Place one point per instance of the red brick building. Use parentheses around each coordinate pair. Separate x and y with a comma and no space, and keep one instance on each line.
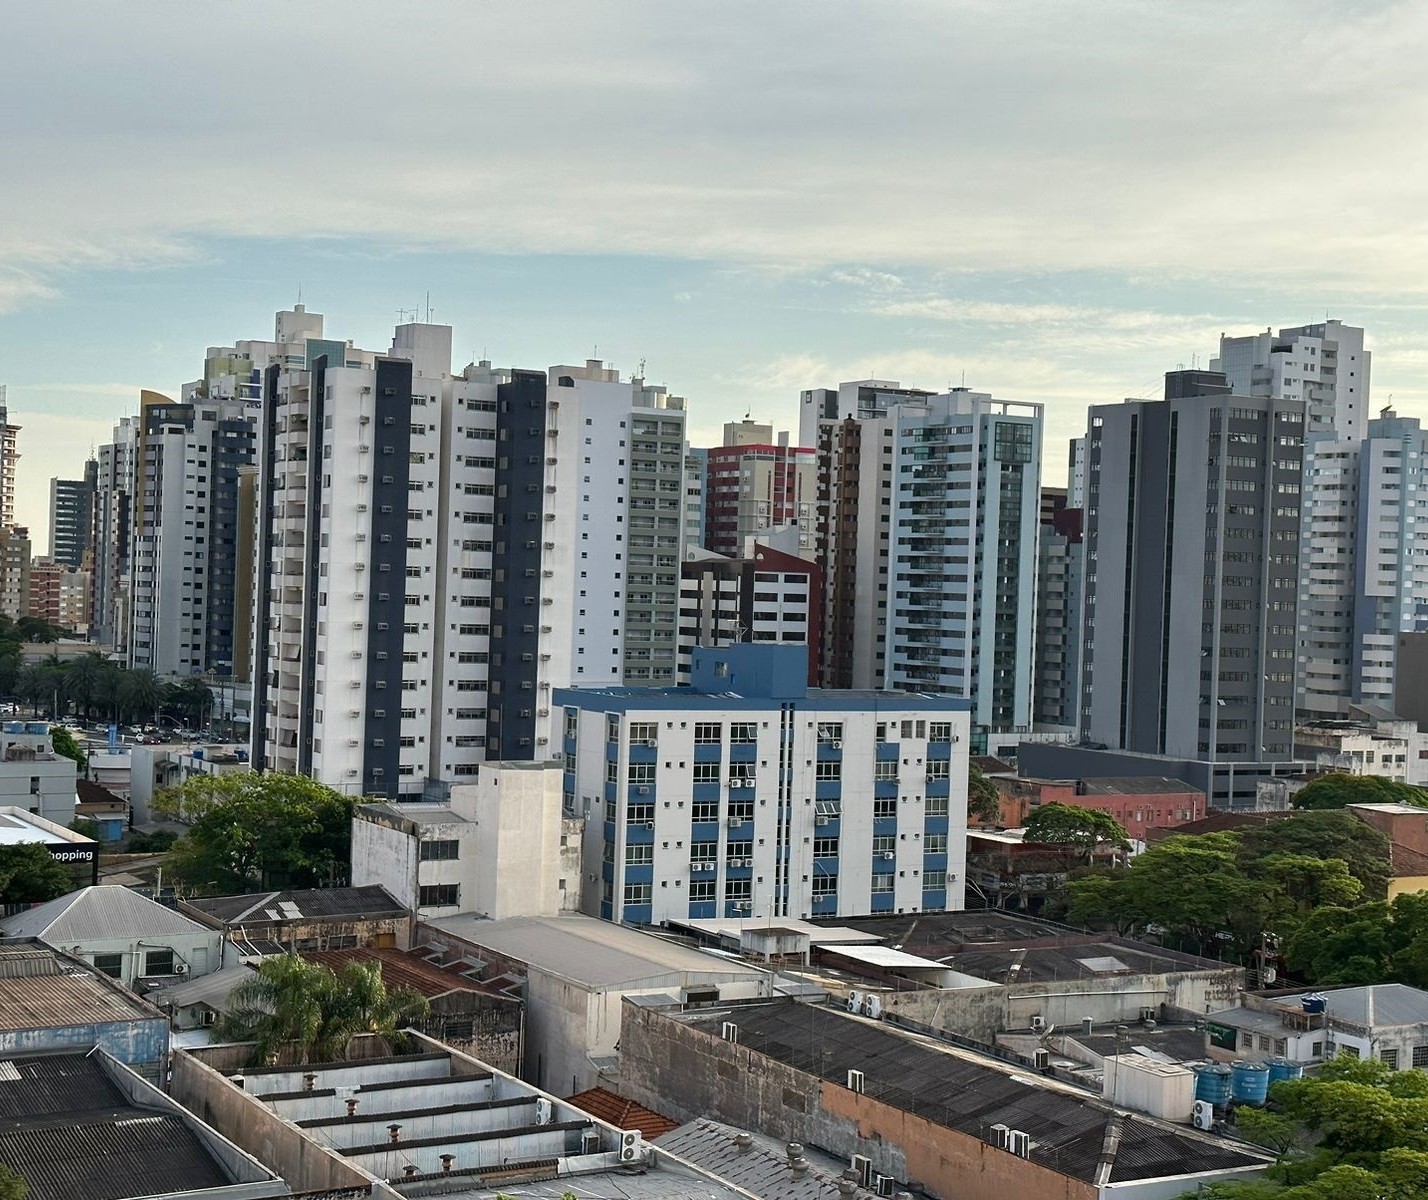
(1140,803)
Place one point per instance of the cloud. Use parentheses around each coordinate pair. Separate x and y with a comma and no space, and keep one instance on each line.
(1037,136)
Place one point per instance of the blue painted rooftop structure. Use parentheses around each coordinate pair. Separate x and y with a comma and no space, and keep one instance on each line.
(752,675)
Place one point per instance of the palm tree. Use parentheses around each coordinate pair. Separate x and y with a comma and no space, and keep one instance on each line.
(32,685)
(143,693)
(109,689)
(292,1002)
(81,678)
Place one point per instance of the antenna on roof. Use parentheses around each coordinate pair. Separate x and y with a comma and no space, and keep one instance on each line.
(428,306)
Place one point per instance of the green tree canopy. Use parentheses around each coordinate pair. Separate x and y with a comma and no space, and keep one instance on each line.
(253,831)
(1353,1130)
(294,1002)
(1336,791)
(12,1187)
(1323,834)
(984,802)
(1372,943)
(64,743)
(1068,825)
(28,875)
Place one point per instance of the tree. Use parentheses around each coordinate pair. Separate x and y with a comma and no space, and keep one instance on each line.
(81,676)
(32,685)
(257,831)
(1068,825)
(1354,1130)
(319,1011)
(1372,943)
(12,1187)
(143,693)
(1336,791)
(28,875)
(1322,834)
(64,744)
(984,802)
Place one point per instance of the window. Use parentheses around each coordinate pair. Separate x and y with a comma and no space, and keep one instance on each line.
(701,891)
(639,855)
(643,733)
(830,732)
(939,731)
(885,770)
(1420,1053)
(936,806)
(1389,1058)
(708,733)
(885,844)
(440,895)
(637,893)
(643,773)
(1348,1052)
(705,810)
(939,768)
(884,807)
(824,885)
(882,883)
(159,962)
(828,769)
(935,843)
(934,881)
(640,814)
(738,889)
(110,964)
(703,851)
(440,849)
(706,772)
(825,847)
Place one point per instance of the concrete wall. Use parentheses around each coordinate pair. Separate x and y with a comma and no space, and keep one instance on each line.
(689,1073)
(981,1013)
(142,1044)
(238,1116)
(201,951)
(518,809)
(384,854)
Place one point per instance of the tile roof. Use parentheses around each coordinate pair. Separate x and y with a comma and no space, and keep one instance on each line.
(623,1114)
(68,1132)
(101,913)
(962,1091)
(268,908)
(409,968)
(760,1166)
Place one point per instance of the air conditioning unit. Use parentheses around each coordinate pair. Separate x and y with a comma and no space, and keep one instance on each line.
(836,745)
(542,1111)
(855,1081)
(1038,1024)
(999,1135)
(873,1006)
(1202,1114)
(1019,1143)
(642,790)
(822,820)
(630,1146)
(181,968)
(1041,1059)
(862,1167)
(855,1001)
(743,906)
(888,856)
(884,1185)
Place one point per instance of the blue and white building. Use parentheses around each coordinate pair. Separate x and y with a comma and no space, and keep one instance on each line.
(748,793)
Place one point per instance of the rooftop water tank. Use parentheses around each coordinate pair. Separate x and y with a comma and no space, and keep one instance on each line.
(1249,1082)
(1212,1083)
(1282,1068)
(1313,1004)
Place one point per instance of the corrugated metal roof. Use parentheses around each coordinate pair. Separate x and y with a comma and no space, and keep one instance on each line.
(95,914)
(408,968)
(589,951)
(54,1001)
(954,1088)
(761,1167)
(211,989)
(269,908)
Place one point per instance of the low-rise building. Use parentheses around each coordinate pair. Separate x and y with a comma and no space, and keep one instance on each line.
(455,857)
(19,827)
(481,1017)
(110,813)
(85,1125)
(199,1003)
(51,1002)
(1352,747)
(308,919)
(576,972)
(1386,1021)
(1139,802)
(898,1107)
(430,1122)
(32,776)
(123,935)
(750,793)
(153,769)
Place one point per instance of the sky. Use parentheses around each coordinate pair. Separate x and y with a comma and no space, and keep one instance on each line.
(1054,202)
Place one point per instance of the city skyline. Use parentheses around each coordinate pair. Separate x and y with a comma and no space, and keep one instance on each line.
(738,207)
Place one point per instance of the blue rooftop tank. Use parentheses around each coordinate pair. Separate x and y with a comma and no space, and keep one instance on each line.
(1249,1082)
(1212,1083)
(1313,1004)
(1282,1068)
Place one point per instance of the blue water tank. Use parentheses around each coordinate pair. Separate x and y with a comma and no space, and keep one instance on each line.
(1212,1083)
(241,755)
(1313,1004)
(198,752)
(1249,1082)
(1282,1068)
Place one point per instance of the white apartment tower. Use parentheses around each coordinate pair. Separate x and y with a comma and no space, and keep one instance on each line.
(112,535)
(928,517)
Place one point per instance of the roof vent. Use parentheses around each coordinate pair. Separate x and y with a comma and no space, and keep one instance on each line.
(394,1133)
(744,1140)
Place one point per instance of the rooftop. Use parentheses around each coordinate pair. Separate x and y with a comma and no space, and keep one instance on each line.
(68,1130)
(409,968)
(1070,1131)
(267,908)
(41,989)
(754,1162)
(18,827)
(418,814)
(211,990)
(96,914)
(1379,1006)
(623,1114)
(589,951)
(1139,785)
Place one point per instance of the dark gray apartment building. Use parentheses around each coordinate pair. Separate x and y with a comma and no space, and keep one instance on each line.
(1192,552)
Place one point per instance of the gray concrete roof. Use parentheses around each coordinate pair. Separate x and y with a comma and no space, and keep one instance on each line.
(762,1167)
(589,951)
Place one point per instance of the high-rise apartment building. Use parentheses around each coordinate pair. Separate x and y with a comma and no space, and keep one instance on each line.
(1192,561)
(112,540)
(9,459)
(72,516)
(14,571)
(755,482)
(927,525)
(60,594)
(748,794)
(1056,679)
(184,564)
